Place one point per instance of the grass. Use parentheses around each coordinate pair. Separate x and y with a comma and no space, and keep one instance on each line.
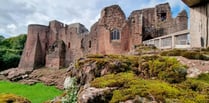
(37,93)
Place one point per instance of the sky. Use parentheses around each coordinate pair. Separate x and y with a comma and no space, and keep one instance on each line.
(16,15)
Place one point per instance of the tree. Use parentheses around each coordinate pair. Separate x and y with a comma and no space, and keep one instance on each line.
(11,51)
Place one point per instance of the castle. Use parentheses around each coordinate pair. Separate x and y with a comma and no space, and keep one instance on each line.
(58,45)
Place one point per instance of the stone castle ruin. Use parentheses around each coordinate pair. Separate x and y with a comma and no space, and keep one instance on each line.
(58,45)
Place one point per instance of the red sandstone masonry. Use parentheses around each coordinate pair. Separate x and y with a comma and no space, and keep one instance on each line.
(58,45)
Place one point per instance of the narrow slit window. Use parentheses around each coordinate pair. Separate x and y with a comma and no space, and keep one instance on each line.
(69,45)
(89,44)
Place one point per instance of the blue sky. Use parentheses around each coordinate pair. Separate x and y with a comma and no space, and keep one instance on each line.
(16,15)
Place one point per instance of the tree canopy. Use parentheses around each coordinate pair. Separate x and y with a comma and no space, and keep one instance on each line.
(11,50)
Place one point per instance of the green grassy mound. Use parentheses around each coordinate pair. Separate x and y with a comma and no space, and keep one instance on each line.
(37,93)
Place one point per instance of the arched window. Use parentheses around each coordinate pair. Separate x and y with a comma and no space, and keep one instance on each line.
(115,34)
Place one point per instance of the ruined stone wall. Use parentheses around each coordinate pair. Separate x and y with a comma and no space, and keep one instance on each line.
(54,27)
(55,57)
(75,33)
(89,42)
(180,22)
(135,23)
(112,18)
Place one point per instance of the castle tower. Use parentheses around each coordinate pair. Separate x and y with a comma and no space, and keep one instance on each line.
(35,48)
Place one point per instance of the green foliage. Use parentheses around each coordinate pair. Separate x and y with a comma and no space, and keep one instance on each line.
(14,42)
(72,92)
(1,38)
(10,51)
(37,93)
(164,68)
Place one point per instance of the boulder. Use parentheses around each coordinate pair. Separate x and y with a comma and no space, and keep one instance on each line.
(193,72)
(15,74)
(95,95)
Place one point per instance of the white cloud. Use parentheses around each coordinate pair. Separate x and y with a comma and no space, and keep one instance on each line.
(11,26)
(17,14)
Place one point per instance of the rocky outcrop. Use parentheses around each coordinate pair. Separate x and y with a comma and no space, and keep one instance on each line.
(87,69)
(15,74)
(50,77)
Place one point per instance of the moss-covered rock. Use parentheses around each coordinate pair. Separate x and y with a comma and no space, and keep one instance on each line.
(129,86)
(164,68)
(11,98)
(189,54)
(98,65)
(145,49)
